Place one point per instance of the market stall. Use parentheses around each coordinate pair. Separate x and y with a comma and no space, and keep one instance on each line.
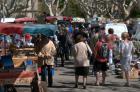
(17,71)
(22,65)
(46,29)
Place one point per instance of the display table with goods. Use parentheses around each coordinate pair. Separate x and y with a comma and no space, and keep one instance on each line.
(134,73)
(20,72)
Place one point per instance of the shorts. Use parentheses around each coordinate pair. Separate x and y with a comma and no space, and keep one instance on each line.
(100,66)
(83,71)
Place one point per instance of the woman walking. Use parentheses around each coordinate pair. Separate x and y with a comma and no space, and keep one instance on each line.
(81,50)
(47,53)
(126,49)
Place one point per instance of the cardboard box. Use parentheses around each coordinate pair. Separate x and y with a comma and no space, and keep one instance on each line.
(134,74)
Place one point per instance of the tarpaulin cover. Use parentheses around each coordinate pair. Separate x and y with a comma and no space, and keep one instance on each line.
(11,28)
(33,29)
(50,18)
(53,18)
(46,29)
(25,19)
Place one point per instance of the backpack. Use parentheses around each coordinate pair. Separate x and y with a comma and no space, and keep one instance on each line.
(104,51)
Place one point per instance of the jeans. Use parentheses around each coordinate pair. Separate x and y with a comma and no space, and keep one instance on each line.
(47,70)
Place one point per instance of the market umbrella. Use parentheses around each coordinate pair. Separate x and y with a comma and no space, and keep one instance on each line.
(50,19)
(25,19)
(11,28)
(46,29)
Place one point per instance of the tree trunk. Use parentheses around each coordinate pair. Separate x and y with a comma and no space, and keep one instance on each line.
(50,11)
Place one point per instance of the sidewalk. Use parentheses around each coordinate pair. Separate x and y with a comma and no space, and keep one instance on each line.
(64,82)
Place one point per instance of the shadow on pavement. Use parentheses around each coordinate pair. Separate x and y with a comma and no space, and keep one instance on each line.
(62,86)
(69,83)
(67,74)
(69,63)
(113,84)
(135,86)
(69,67)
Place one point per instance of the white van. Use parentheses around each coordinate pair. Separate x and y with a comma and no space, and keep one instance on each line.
(118,28)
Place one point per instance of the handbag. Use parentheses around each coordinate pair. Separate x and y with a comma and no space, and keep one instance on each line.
(89,53)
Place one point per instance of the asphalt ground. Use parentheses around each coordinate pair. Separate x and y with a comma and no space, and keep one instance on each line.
(64,81)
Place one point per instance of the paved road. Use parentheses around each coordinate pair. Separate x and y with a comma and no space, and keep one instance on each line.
(64,82)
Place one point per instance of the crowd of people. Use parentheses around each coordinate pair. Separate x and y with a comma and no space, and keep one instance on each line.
(103,53)
(87,47)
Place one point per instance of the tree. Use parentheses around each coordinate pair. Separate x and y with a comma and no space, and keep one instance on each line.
(92,7)
(111,8)
(73,9)
(123,7)
(10,7)
(56,7)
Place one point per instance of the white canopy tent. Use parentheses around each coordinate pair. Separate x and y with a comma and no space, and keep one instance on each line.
(77,19)
(7,20)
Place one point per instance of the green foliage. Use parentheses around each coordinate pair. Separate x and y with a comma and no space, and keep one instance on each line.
(20,16)
(61,3)
(73,10)
(135,13)
(128,2)
(42,7)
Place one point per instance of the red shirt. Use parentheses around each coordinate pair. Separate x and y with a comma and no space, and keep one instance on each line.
(97,48)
